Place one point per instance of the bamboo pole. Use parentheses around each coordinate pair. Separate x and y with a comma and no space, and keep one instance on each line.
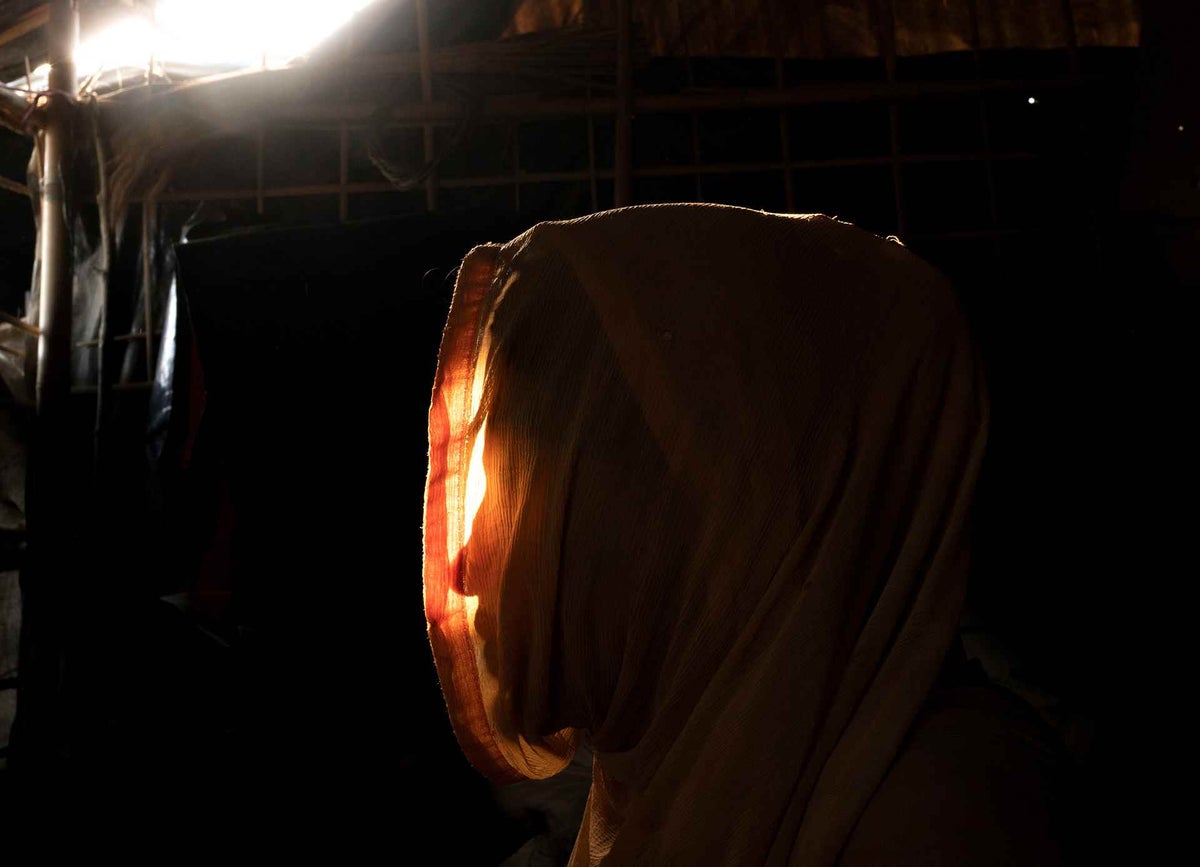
(985,126)
(1071,33)
(524,177)
(623,145)
(693,117)
(34,19)
(785,146)
(785,141)
(532,107)
(593,183)
(431,183)
(887,48)
(19,324)
(14,187)
(15,113)
(120,338)
(39,732)
(54,348)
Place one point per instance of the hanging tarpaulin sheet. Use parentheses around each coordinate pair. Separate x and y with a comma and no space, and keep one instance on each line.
(128,294)
(817,29)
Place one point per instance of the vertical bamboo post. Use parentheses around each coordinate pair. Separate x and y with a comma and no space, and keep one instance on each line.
(426,66)
(54,316)
(693,116)
(887,47)
(985,127)
(694,120)
(623,146)
(593,184)
(785,146)
(39,731)
(785,139)
(1071,33)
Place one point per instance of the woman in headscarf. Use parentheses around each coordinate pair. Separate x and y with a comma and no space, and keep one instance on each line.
(698,489)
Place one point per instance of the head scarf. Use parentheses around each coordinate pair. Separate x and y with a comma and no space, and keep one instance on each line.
(698,486)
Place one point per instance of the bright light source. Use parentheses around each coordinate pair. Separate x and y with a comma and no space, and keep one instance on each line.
(1033,100)
(127,43)
(212,34)
(246,32)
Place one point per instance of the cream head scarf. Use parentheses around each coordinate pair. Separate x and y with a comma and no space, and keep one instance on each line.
(698,487)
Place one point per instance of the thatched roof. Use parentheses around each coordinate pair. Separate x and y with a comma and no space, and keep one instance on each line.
(560,44)
(810,29)
(818,29)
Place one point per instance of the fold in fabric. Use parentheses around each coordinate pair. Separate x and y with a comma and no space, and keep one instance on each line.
(698,487)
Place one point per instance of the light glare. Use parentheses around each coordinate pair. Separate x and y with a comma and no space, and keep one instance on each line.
(127,43)
(213,34)
(246,32)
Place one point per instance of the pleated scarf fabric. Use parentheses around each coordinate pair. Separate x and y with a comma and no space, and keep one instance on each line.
(698,486)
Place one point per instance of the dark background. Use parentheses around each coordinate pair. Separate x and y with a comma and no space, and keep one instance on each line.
(289,686)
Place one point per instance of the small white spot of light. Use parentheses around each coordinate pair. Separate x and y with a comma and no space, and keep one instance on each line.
(1180,127)
(1033,100)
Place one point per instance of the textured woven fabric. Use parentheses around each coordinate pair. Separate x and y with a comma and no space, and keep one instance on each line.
(698,487)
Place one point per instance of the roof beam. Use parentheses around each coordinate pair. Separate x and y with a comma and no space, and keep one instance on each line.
(35,19)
